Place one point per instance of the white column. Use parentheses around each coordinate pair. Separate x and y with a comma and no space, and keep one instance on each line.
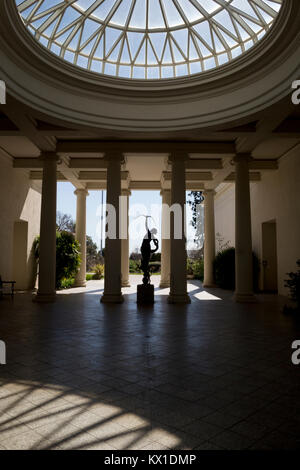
(125,241)
(47,256)
(81,194)
(112,254)
(165,239)
(243,237)
(178,279)
(209,237)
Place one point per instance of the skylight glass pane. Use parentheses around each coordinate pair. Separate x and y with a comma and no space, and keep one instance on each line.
(148,39)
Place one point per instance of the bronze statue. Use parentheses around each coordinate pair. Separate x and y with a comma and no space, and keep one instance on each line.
(147,251)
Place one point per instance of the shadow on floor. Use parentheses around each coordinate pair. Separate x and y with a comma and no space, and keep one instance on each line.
(209,375)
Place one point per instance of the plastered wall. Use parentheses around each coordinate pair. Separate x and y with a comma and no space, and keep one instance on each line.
(20,200)
(275,198)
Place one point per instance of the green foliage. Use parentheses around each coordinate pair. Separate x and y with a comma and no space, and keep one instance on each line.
(67,257)
(199,269)
(195,198)
(135,255)
(156,257)
(224,269)
(98,271)
(89,277)
(67,283)
(189,267)
(195,268)
(155,267)
(293,284)
(93,255)
(134,266)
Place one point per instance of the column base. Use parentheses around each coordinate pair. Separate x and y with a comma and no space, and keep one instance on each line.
(79,284)
(164,284)
(208,284)
(179,299)
(44,298)
(125,284)
(245,298)
(112,299)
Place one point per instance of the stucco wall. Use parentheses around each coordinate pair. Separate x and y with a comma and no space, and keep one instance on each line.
(275,198)
(20,200)
(224,216)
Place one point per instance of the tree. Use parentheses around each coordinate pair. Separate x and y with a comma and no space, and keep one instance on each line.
(67,256)
(64,222)
(195,200)
(93,255)
(135,255)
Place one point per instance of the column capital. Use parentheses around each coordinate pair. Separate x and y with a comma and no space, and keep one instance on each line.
(165,180)
(116,155)
(179,155)
(242,157)
(49,156)
(164,191)
(81,191)
(209,192)
(125,192)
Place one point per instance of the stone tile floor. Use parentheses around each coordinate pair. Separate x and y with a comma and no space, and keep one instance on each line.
(210,375)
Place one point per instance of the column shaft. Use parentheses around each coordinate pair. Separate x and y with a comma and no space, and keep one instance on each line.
(112,254)
(209,238)
(81,194)
(47,250)
(165,239)
(178,279)
(243,237)
(125,241)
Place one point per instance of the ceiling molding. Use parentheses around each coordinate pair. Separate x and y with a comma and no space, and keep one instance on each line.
(234,93)
(142,148)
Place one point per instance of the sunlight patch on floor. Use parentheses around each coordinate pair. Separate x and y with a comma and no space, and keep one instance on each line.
(206,296)
(35,415)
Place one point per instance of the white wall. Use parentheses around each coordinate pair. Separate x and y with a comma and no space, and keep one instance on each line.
(20,199)
(224,215)
(275,198)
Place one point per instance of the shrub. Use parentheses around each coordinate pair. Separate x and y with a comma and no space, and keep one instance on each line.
(224,269)
(134,266)
(98,272)
(195,268)
(198,269)
(154,267)
(293,284)
(156,257)
(189,267)
(89,277)
(67,257)
(67,283)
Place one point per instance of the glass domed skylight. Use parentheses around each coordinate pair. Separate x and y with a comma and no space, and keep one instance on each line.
(148,39)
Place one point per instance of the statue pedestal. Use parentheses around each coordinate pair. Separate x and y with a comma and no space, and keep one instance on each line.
(145,294)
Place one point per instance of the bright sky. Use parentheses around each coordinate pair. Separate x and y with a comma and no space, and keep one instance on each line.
(141,202)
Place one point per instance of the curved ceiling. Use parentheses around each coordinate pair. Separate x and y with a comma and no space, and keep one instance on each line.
(148,39)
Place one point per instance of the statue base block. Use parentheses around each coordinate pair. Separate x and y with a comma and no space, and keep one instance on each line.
(145,294)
